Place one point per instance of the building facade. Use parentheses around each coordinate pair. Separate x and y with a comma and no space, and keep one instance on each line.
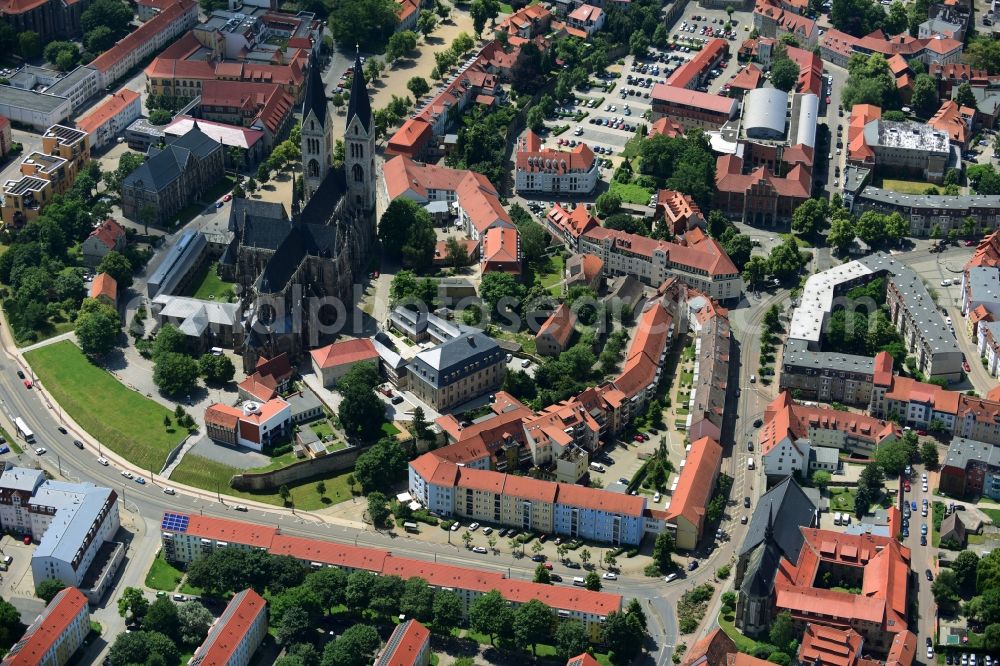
(235,636)
(55,635)
(45,173)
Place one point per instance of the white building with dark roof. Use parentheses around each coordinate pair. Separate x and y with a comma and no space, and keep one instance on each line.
(457,370)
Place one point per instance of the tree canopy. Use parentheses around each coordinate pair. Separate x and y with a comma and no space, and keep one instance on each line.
(361,412)
(368,22)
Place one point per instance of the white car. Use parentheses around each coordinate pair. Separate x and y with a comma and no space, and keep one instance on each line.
(930,653)
(945,283)
(672,577)
(102,461)
(609,576)
(479,549)
(455,526)
(127,474)
(473,527)
(169,491)
(656,497)
(40,450)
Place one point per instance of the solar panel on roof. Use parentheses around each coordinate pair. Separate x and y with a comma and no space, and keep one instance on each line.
(175,522)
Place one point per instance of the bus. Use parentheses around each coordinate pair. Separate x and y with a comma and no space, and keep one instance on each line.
(23,430)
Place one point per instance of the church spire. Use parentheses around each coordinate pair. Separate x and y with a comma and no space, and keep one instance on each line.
(359,104)
(315,97)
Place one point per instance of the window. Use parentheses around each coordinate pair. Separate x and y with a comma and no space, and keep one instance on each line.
(359,174)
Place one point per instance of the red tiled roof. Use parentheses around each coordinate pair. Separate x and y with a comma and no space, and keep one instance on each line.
(882,375)
(575,223)
(43,633)
(903,649)
(223,639)
(561,596)
(104,285)
(345,352)
(559,325)
(712,650)
(109,233)
(693,99)
(279,367)
(527,488)
(144,33)
(955,120)
(435,470)
(327,552)
(261,387)
(829,646)
(748,78)
(404,645)
(697,66)
(694,487)
(223,416)
(532,157)
(666,126)
(582,660)
(501,249)
(108,109)
(600,500)
(235,531)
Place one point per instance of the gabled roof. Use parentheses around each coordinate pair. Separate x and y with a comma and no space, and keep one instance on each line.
(315,100)
(695,487)
(109,232)
(344,352)
(104,285)
(559,325)
(712,650)
(47,629)
(788,508)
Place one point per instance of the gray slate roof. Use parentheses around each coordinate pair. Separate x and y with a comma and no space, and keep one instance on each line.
(791,508)
(453,359)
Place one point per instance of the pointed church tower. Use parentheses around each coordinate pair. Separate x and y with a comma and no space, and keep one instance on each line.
(359,147)
(317,132)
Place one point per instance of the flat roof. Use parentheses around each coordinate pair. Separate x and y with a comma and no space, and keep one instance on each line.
(961,202)
(28,99)
(72,79)
(817,299)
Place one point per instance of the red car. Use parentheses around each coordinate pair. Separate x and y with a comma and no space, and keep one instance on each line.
(906,486)
(971,243)
(27,383)
(921,432)
(27,541)
(828,101)
(965,366)
(637,438)
(548,565)
(228,197)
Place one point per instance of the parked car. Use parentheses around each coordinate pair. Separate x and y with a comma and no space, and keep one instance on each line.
(473,527)
(609,576)
(692,565)
(479,549)
(669,579)
(78,444)
(746,502)
(169,491)
(61,429)
(928,574)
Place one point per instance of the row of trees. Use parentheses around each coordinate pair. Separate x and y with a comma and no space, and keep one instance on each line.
(176,372)
(978,578)
(163,628)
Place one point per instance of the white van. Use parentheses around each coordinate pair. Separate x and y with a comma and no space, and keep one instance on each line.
(579,582)
(749,463)
(847,518)
(836,518)
(216,351)
(596,467)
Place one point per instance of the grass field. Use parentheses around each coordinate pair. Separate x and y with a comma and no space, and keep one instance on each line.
(743,644)
(842,499)
(123,420)
(906,186)
(631,193)
(210,286)
(211,475)
(552,277)
(994,515)
(162,575)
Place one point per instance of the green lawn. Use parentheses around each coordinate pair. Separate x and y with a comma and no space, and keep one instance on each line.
(802,242)
(526,341)
(123,420)
(11,442)
(906,186)
(552,277)
(47,330)
(210,286)
(211,475)
(743,644)
(162,575)
(389,430)
(842,499)
(631,193)
(994,514)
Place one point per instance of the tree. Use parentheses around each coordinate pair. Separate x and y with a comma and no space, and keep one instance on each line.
(355,647)
(378,508)
(623,634)
(400,44)
(447,611)
(635,610)
(785,260)
(984,179)
(663,548)
(542,574)
(420,428)
(991,638)
(48,589)
(458,255)
(896,21)
(965,97)
(821,479)
(97,327)
(929,455)
(407,232)
(175,374)
(841,234)
(585,556)
(193,621)
(112,14)
(369,22)
(870,81)
(983,54)
(592,581)
(361,412)
(417,600)
(784,74)
(132,604)
(482,11)
(738,246)
(964,567)
(988,572)
(893,456)
(381,466)
(29,44)
(426,23)
(755,271)
(782,630)
(532,623)
(946,589)
(501,289)
(216,369)
(11,628)
(117,266)
(608,203)
(571,639)
(162,617)
(418,86)
(536,119)
(810,217)
(293,625)
(143,647)
(490,615)
(856,17)
(925,96)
